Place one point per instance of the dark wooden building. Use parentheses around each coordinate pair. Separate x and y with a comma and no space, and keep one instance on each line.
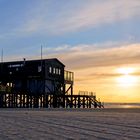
(39,83)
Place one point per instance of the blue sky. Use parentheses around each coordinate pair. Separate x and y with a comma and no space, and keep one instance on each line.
(25,25)
(98,33)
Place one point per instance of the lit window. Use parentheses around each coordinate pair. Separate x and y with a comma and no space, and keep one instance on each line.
(59,71)
(8,84)
(39,68)
(54,70)
(50,69)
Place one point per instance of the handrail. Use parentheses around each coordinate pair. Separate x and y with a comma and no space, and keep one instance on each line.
(68,76)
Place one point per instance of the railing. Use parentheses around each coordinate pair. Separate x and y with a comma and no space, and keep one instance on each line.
(68,76)
(87,93)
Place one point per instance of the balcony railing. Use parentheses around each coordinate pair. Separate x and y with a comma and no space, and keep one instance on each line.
(68,76)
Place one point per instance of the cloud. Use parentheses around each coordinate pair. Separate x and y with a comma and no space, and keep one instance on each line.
(94,14)
(86,56)
(80,16)
(94,55)
(46,17)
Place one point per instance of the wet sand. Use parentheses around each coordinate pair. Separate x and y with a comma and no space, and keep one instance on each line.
(94,124)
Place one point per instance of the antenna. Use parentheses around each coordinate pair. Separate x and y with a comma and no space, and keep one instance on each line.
(41,52)
(41,57)
(2,55)
(1,68)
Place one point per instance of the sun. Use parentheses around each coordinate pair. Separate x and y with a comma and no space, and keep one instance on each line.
(126,77)
(125,71)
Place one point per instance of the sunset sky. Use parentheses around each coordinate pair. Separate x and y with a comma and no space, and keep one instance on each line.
(99,40)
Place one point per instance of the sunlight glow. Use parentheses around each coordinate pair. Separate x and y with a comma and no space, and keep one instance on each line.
(127,80)
(125,71)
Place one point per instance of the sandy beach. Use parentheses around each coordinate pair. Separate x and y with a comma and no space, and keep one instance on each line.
(94,124)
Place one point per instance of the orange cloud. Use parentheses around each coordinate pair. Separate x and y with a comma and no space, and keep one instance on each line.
(85,56)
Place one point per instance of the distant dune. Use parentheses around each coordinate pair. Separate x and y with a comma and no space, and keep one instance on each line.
(94,124)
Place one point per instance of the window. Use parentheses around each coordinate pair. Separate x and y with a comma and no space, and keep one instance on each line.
(59,71)
(50,69)
(39,69)
(54,70)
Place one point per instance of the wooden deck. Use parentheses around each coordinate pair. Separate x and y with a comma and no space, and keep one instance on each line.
(20,100)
